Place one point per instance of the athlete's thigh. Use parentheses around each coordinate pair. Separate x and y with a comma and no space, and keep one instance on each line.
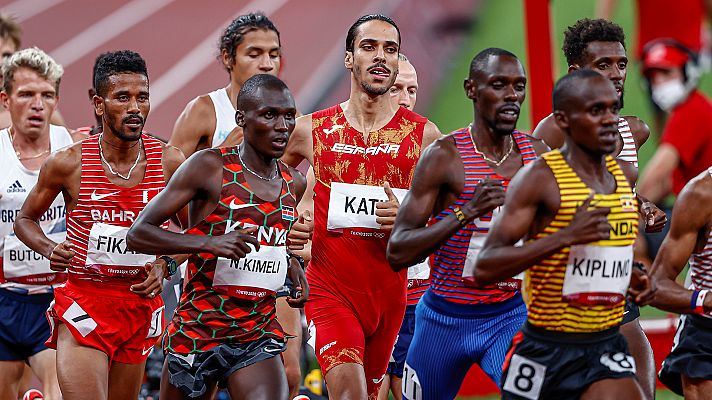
(696,389)
(83,372)
(262,380)
(379,346)
(125,380)
(170,392)
(614,389)
(10,376)
(436,362)
(347,381)
(44,365)
(291,321)
(501,332)
(642,353)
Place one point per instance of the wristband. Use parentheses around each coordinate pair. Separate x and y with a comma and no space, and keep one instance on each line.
(299,259)
(460,216)
(171,264)
(700,301)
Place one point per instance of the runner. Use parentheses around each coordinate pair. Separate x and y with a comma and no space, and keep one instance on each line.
(225,328)
(458,326)
(686,370)
(599,45)
(357,301)
(108,316)
(574,204)
(30,95)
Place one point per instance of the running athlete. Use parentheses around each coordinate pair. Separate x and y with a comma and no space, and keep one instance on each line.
(30,94)
(577,212)
(686,370)
(242,203)
(108,316)
(461,181)
(405,93)
(361,150)
(599,45)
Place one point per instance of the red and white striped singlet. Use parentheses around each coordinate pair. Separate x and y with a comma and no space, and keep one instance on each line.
(104,212)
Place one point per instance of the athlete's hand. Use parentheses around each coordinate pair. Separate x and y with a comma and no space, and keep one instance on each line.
(489,194)
(301,232)
(152,286)
(587,225)
(234,245)
(61,256)
(301,287)
(386,211)
(642,288)
(655,218)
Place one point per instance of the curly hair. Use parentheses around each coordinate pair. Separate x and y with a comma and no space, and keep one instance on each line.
(585,31)
(113,63)
(234,34)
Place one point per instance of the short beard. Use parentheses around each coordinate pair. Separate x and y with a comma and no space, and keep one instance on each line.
(374,91)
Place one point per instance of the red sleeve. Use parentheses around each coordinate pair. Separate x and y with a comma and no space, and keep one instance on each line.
(681,132)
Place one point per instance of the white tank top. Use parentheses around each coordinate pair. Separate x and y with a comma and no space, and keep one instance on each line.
(25,271)
(629,152)
(224,116)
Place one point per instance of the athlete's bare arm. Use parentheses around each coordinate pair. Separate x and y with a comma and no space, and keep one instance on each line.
(431,133)
(197,181)
(299,238)
(438,177)
(195,126)
(548,131)
(639,129)
(688,232)
(531,202)
(60,174)
(301,143)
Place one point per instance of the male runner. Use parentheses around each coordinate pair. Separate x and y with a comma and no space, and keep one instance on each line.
(405,93)
(359,149)
(461,180)
(577,211)
(108,316)
(599,45)
(10,40)
(249,45)
(686,370)
(30,94)
(225,327)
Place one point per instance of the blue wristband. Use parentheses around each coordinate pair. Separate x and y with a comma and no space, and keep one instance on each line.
(693,300)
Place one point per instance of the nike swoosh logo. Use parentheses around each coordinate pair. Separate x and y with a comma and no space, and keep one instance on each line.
(96,197)
(333,128)
(272,349)
(146,351)
(377,381)
(234,206)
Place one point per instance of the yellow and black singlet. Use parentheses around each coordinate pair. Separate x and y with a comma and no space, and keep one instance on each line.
(582,288)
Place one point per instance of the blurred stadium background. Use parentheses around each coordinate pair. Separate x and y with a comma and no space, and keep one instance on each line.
(178,38)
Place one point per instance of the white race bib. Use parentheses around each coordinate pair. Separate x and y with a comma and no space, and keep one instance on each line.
(477,241)
(22,264)
(354,206)
(107,253)
(419,271)
(597,274)
(256,275)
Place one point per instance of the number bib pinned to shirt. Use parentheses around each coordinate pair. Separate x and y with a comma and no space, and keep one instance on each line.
(597,275)
(354,206)
(23,265)
(108,255)
(257,275)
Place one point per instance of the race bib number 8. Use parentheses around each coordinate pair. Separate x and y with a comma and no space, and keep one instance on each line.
(597,274)
(524,377)
(256,275)
(354,206)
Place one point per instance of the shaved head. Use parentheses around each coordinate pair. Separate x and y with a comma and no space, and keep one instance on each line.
(249,96)
(481,61)
(574,86)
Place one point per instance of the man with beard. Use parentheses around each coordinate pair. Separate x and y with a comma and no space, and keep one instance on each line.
(108,316)
(461,180)
(577,212)
(363,152)
(599,45)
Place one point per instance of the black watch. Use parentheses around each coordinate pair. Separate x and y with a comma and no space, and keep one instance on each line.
(171,263)
(299,259)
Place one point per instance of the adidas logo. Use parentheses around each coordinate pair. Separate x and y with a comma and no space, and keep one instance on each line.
(16,188)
